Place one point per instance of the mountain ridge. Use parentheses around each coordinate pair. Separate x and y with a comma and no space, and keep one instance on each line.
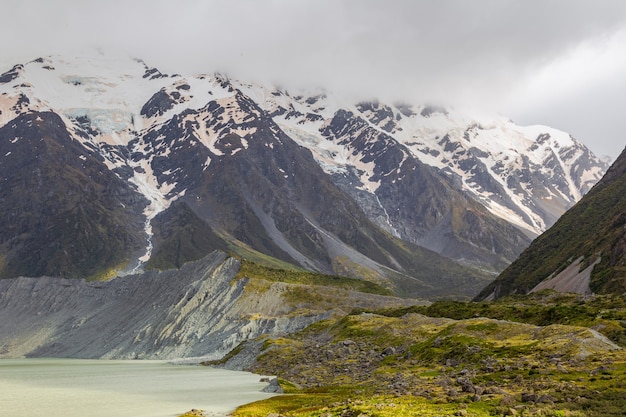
(302,178)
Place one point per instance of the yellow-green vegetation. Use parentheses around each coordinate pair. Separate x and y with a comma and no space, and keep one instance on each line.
(343,402)
(3,261)
(253,270)
(108,274)
(399,362)
(604,313)
(243,251)
(194,413)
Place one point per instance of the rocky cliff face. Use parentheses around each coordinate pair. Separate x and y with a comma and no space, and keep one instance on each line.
(197,311)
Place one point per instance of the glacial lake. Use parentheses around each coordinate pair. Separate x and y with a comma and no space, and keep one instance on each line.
(120,388)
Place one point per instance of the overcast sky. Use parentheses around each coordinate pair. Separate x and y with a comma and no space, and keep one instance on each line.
(561,63)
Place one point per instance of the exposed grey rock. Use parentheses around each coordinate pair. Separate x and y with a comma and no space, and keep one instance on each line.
(466,384)
(528,397)
(274,387)
(198,312)
(389,351)
(192,312)
(547,399)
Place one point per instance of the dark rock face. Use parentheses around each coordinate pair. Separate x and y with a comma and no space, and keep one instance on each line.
(181,236)
(57,199)
(158,104)
(274,387)
(378,114)
(428,111)
(10,75)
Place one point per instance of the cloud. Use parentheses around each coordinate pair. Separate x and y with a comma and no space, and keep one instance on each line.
(481,53)
(582,91)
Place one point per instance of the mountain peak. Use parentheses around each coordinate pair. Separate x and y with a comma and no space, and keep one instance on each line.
(363,188)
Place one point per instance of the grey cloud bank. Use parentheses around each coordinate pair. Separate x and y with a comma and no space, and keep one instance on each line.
(500,55)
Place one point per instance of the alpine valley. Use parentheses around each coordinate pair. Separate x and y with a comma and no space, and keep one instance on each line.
(301,234)
(110,167)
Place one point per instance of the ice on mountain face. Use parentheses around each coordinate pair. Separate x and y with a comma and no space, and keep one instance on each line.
(330,156)
(159,198)
(449,141)
(114,84)
(105,121)
(482,153)
(334,158)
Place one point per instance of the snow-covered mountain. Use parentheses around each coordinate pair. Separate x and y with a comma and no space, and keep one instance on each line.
(526,175)
(308,178)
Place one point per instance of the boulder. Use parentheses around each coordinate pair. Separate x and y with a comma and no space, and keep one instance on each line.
(274,387)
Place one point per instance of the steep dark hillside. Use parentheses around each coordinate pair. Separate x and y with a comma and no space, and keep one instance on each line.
(181,236)
(57,201)
(594,230)
(262,189)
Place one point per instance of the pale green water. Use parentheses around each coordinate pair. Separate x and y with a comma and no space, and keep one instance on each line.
(99,388)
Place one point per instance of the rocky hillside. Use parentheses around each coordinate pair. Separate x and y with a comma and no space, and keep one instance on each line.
(583,252)
(203,309)
(112,167)
(400,362)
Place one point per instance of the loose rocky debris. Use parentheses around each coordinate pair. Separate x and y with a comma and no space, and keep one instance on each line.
(511,368)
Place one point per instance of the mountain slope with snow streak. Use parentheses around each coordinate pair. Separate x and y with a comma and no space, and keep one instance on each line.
(309,178)
(525,175)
